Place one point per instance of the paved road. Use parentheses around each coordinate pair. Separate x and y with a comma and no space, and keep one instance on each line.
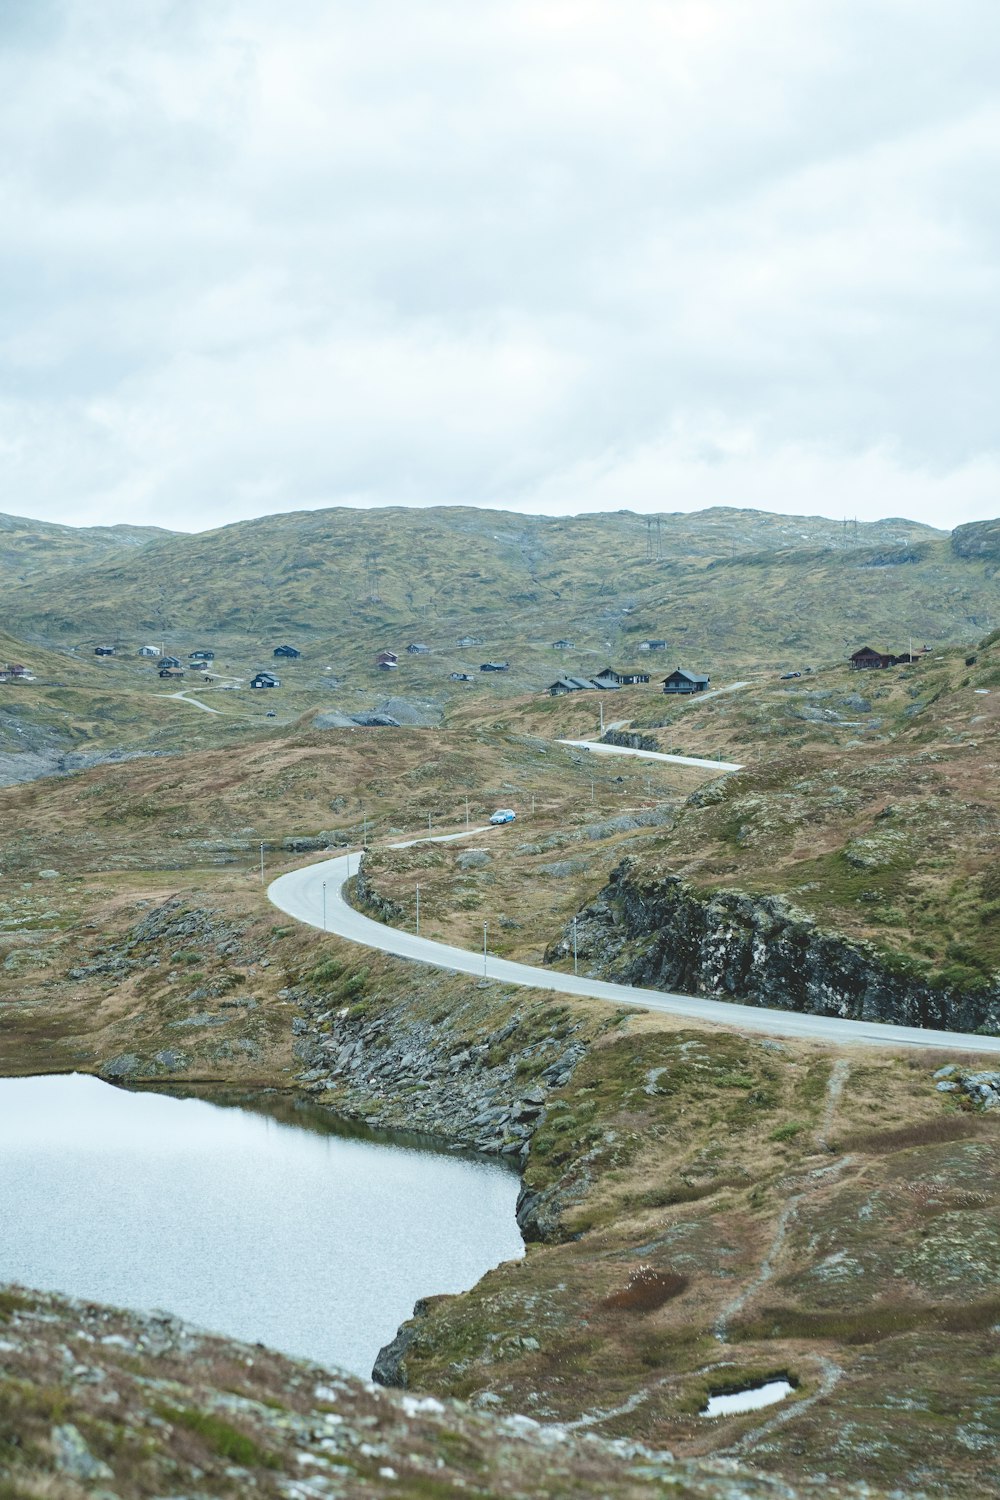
(677,760)
(183,698)
(314,895)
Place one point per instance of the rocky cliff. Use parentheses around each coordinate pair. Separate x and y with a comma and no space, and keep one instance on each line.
(663,934)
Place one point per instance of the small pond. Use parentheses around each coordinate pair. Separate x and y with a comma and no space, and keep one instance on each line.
(752,1399)
(311,1240)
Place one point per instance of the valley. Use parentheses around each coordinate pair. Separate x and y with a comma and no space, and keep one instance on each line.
(705,1207)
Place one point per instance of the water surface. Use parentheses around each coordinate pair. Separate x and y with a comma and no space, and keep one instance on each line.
(311,1242)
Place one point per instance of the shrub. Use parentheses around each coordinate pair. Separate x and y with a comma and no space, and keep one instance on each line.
(646,1290)
(228,1442)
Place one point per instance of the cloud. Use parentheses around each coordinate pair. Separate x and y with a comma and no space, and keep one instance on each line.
(543,255)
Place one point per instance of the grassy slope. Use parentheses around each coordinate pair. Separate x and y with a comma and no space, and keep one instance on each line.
(32,549)
(732,587)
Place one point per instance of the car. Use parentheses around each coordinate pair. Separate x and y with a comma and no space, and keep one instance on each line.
(271,714)
(503,815)
(787,676)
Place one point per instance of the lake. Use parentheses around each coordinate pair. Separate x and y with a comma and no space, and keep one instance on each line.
(314,1242)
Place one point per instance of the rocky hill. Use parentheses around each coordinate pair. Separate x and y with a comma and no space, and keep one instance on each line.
(720,587)
(30,550)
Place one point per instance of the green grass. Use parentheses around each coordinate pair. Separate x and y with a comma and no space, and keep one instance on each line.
(227,1441)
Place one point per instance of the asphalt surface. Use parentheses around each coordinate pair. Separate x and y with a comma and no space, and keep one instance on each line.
(599,748)
(315,895)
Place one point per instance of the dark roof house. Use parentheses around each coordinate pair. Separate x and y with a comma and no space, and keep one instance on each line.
(682,681)
(652,645)
(169,661)
(265,680)
(867,658)
(387,660)
(562,645)
(569,685)
(288,651)
(495,666)
(202,656)
(104,650)
(612,678)
(417,648)
(171,672)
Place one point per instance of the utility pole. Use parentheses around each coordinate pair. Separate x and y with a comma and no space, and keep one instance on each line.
(601,707)
(418,911)
(428,822)
(364,833)
(262,861)
(324,906)
(467,810)
(575,965)
(484,950)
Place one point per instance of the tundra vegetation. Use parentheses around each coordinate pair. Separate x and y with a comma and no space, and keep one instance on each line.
(704,1210)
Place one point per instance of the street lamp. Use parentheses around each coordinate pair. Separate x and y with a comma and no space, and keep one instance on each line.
(575,965)
(324,906)
(418,911)
(484,950)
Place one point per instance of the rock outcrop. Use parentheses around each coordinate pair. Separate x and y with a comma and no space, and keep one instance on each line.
(663,934)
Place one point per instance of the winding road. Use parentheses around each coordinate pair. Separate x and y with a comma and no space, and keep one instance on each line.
(315,895)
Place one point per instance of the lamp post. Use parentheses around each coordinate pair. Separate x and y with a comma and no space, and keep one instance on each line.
(575,965)
(484,950)
(262,861)
(324,906)
(418,911)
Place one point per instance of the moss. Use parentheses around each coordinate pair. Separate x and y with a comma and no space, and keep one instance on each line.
(228,1442)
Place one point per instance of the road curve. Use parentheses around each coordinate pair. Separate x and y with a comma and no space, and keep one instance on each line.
(600,748)
(315,895)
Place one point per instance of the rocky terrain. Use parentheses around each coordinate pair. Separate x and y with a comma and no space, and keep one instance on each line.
(99,1402)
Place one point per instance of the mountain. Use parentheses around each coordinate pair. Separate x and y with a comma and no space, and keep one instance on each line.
(33,549)
(721,587)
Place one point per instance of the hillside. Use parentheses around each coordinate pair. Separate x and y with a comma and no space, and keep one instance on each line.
(30,550)
(723,588)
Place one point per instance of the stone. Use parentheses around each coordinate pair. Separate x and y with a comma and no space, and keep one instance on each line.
(74,1458)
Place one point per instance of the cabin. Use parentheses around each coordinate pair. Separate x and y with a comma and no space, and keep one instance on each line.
(652,645)
(18,669)
(683,681)
(563,685)
(288,652)
(148,651)
(459,677)
(168,661)
(388,661)
(202,656)
(868,660)
(468,640)
(417,648)
(611,678)
(562,645)
(172,674)
(265,680)
(104,650)
(494,666)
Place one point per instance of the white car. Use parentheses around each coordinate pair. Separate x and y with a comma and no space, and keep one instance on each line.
(503,815)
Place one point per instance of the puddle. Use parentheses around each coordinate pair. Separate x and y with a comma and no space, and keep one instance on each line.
(748,1400)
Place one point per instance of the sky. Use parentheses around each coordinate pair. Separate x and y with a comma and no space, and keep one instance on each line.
(548,255)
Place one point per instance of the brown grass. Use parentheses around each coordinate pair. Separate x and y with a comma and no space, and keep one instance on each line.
(646,1290)
(922,1133)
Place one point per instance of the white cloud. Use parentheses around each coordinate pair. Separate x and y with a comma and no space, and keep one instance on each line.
(535,253)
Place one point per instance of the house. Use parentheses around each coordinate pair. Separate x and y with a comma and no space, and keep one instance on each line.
(287,651)
(562,645)
(387,660)
(652,645)
(682,681)
(18,669)
(168,661)
(564,685)
(202,656)
(149,651)
(265,680)
(171,672)
(417,648)
(867,659)
(494,666)
(459,677)
(104,650)
(610,678)
(468,640)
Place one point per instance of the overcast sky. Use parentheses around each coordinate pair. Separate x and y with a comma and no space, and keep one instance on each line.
(551,255)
